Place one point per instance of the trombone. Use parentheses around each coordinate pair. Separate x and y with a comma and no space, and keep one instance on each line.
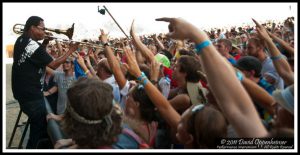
(19,29)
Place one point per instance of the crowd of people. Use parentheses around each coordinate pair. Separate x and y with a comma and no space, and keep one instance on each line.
(185,89)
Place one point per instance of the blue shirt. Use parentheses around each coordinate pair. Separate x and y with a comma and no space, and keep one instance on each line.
(266,85)
(125,141)
(232,61)
(268,67)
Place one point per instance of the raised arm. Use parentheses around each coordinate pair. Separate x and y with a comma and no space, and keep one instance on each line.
(164,107)
(89,66)
(284,44)
(60,49)
(258,94)
(140,46)
(113,62)
(160,45)
(236,105)
(82,64)
(280,63)
(57,62)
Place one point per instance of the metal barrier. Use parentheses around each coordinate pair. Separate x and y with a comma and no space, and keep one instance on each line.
(53,127)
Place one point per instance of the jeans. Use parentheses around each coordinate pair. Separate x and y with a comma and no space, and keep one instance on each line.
(36,112)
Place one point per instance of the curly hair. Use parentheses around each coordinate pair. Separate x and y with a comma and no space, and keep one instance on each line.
(92,100)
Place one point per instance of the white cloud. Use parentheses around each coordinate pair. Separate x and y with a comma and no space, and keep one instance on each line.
(88,21)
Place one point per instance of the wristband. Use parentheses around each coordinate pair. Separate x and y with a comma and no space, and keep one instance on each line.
(144,81)
(277,57)
(87,72)
(199,47)
(141,76)
(239,75)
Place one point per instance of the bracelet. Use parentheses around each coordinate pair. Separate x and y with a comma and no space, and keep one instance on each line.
(277,57)
(141,76)
(86,72)
(153,82)
(144,81)
(239,75)
(199,47)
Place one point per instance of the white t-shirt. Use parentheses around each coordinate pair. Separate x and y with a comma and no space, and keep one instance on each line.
(124,91)
(116,92)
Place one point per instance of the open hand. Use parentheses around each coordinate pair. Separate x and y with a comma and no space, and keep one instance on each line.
(103,37)
(132,65)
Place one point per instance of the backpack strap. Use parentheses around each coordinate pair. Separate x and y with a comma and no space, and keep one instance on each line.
(141,142)
(153,132)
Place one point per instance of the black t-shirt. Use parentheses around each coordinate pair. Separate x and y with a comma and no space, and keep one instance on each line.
(30,61)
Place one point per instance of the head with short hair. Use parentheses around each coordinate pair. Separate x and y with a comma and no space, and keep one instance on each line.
(91,118)
(68,65)
(254,47)
(103,69)
(35,28)
(32,21)
(224,46)
(250,65)
(186,70)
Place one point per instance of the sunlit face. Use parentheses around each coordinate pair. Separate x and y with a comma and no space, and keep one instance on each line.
(67,65)
(222,48)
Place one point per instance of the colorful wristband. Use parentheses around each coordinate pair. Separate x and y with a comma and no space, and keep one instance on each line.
(277,57)
(145,81)
(141,76)
(199,47)
(239,75)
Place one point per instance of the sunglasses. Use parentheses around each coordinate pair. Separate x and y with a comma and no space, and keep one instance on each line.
(41,28)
